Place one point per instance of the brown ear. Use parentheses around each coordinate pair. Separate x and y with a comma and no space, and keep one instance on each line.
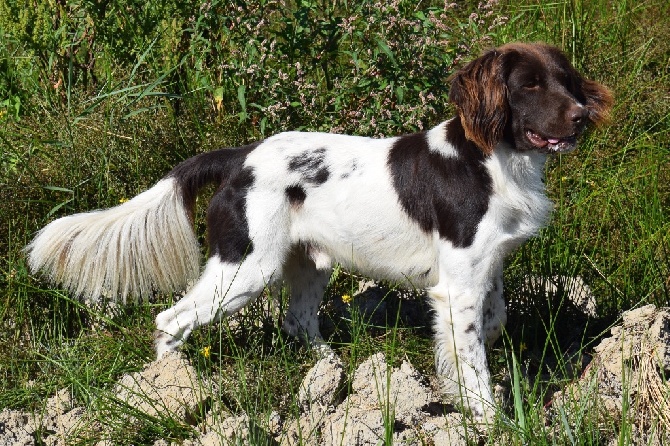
(480,93)
(599,101)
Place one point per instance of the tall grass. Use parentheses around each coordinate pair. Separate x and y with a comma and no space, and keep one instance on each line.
(98,101)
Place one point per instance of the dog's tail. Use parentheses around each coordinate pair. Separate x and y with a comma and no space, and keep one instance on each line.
(142,245)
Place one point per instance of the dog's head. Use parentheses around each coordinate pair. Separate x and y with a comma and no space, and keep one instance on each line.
(528,95)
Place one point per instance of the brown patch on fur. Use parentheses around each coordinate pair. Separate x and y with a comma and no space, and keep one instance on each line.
(599,101)
(480,93)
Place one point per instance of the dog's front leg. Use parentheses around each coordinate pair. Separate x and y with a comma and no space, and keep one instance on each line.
(460,356)
(495,311)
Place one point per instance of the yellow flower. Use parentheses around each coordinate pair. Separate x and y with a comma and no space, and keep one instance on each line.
(346,299)
(206,351)
(122,200)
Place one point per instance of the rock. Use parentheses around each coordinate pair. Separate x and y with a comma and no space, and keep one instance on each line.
(232,430)
(60,403)
(54,426)
(385,404)
(406,396)
(65,426)
(16,428)
(320,388)
(275,423)
(630,365)
(369,381)
(449,429)
(238,429)
(410,394)
(299,432)
(168,386)
(355,426)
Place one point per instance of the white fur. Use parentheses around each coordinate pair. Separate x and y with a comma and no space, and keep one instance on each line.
(145,244)
(437,142)
(354,218)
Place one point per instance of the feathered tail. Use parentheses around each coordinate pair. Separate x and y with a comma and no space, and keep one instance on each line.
(142,245)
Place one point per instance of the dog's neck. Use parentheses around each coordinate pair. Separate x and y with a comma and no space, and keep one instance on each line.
(519,189)
(525,168)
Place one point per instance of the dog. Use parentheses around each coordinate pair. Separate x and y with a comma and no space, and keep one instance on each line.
(438,210)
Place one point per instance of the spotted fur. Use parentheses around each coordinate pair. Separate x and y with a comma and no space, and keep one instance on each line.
(438,209)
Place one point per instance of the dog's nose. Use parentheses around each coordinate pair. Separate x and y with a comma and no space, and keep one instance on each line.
(577,113)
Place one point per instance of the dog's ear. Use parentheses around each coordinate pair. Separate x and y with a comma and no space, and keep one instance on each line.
(599,100)
(479,90)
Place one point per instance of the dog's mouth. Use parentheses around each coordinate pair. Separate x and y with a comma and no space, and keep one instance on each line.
(552,145)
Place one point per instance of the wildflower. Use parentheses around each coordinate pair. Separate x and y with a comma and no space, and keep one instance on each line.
(346,298)
(122,200)
(206,352)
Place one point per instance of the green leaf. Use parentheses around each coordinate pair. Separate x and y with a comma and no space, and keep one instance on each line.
(386,50)
(516,391)
(241,90)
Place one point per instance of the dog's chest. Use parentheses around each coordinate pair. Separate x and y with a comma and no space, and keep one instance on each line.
(518,207)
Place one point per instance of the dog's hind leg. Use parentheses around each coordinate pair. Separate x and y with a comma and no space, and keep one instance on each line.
(307,284)
(223,289)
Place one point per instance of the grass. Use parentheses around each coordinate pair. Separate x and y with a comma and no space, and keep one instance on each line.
(97,106)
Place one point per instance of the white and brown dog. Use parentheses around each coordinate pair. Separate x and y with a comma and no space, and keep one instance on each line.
(438,209)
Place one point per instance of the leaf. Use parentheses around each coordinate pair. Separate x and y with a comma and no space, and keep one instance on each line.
(241,90)
(58,189)
(386,50)
(516,391)
(54,209)
(218,98)
(400,94)
(58,206)
(142,110)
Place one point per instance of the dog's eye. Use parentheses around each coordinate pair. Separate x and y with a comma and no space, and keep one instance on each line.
(531,84)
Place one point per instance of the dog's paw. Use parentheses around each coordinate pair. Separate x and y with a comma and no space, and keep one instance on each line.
(164,344)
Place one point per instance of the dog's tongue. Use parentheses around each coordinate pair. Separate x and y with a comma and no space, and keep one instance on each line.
(537,140)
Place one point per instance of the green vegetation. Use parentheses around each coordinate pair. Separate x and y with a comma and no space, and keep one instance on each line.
(98,100)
